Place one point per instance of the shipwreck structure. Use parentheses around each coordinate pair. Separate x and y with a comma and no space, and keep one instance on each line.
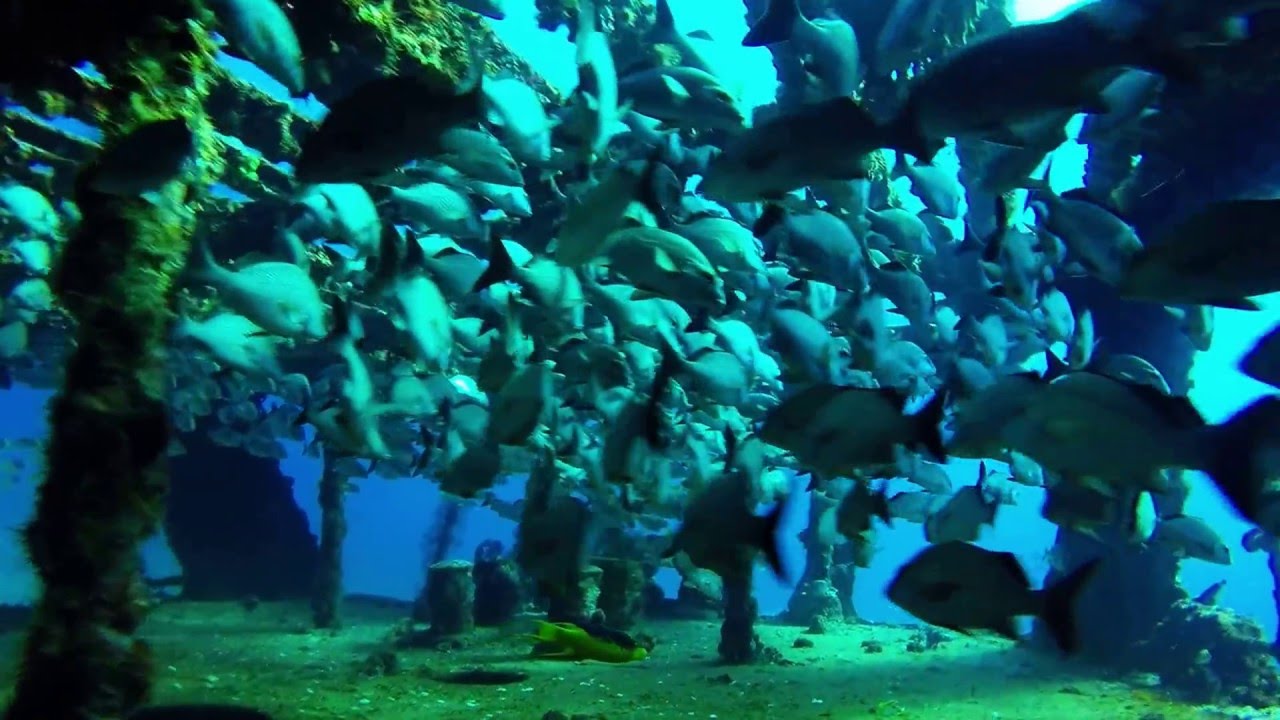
(107,477)
(112,67)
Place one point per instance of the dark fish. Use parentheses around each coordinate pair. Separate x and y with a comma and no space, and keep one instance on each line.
(388,122)
(774,26)
(721,533)
(834,428)
(261,31)
(1222,255)
(829,44)
(145,159)
(963,587)
(987,86)
(827,140)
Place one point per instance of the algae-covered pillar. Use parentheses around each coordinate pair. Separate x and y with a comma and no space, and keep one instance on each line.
(739,644)
(106,476)
(326,597)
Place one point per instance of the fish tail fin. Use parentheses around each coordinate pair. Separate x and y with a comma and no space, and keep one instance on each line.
(772,214)
(1058,609)
(1055,367)
(667,369)
(775,26)
(767,541)
(202,266)
(1039,184)
(389,244)
(347,327)
(899,164)
(700,322)
(380,194)
(1232,465)
(904,133)
(472,82)
(501,267)
(880,506)
(929,425)
(664,23)
(971,242)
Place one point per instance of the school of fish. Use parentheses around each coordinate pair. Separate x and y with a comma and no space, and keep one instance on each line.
(725,302)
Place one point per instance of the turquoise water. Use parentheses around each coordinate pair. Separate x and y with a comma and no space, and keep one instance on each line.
(387,519)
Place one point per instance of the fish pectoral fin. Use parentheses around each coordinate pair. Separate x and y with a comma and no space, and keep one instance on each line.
(678,91)
(1235,303)
(663,261)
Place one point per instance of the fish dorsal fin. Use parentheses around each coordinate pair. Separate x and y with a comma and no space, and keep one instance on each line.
(1178,409)
(414,258)
(1010,564)
(1054,366)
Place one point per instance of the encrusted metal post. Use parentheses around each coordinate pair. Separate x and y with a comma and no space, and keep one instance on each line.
(106,473)
(326,598)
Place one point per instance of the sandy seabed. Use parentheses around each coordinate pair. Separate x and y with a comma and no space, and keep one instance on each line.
(269,658)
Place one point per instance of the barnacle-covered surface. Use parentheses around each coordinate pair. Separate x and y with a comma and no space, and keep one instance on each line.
(36,152)
(106,477)
(348,42)
(345,43)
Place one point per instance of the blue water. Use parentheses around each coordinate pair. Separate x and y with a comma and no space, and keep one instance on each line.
(388,519)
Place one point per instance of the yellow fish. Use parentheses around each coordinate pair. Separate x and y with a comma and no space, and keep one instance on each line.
(574,643)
